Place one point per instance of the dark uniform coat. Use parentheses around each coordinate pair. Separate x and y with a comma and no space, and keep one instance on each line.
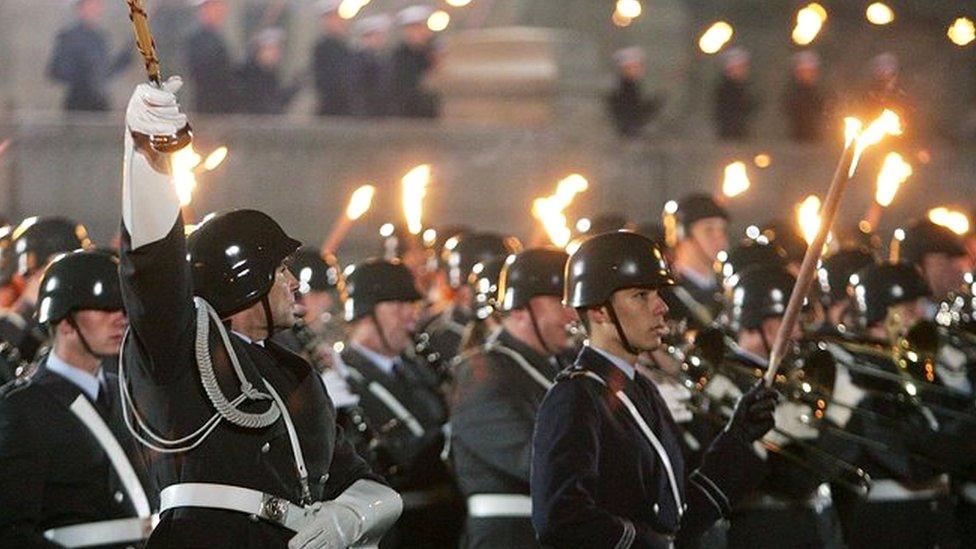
(491,432)
(735,106)
(408,68)
(598,482)
(54,472)
(333,71)
(81,60)
(630,111)
(166,386)
(260,91)
(211,72)
(370,82)
(442,335)
(21,330)
(687,298)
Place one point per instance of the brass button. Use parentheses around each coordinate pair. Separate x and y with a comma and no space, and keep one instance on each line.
(266,448)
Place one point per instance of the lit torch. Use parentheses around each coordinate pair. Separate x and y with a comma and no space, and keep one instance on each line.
(549,209)
(953,220)
(856,142)
(359,203)
(736,180)
(714,39)
(809,21)
(414,190)
(894,171)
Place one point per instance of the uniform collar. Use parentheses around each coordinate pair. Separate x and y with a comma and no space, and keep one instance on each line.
(628,369)
(384,363)
(545,364)
(247,339)
(88,383)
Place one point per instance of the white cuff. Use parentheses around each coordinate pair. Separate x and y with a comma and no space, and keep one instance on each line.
(377,506)
(150,205)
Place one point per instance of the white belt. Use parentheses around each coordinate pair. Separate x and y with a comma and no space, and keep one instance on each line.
(106,532)
(233,498)
(499,505)
(892,490)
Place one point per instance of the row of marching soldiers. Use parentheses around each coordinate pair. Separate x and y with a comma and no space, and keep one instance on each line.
(481,394)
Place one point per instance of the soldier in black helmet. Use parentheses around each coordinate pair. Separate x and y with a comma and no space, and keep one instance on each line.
(909,502)
(33,243)
(249,453)
(498,389)
(940,256)
(607,468)
(71,474)
(792,506)
(400,400)
(833,274)
(485,313)
(440,337)
(700,231)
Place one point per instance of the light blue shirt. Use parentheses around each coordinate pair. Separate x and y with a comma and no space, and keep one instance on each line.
(383,362)
(617,361)
(88,383)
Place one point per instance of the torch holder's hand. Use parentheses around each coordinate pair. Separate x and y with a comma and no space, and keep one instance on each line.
(753,415)
(154,119)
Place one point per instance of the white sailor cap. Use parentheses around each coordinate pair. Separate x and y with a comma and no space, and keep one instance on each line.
(372,24)
(626,56)
(735,56)
(325,7)
(413,15)
(270,35)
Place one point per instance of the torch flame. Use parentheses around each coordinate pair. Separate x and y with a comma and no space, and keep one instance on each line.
(886,124)
(736,179)
(350,8)
(549,209)
(879,13)
(894,172)
(182,164)
(215,158)
(962,31)
(808,217)
(715,38)
(414,190)
(953,220)
(629,9)
(360,201)
(809,21)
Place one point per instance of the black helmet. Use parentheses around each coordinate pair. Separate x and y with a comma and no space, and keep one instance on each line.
(835,272)
(758,293)
(36,239)
(483,280)
(925,237)
(76,281)
(786,236)
(315,272)
(374,281)
(463,251)
(878,287)
(233,257)
(534,272)
(610,262)
(695,207)
(751,253)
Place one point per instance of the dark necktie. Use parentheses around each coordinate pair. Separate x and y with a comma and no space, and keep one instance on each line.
(103,403)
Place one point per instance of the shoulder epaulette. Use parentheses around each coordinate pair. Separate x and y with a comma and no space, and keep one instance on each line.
(16,385)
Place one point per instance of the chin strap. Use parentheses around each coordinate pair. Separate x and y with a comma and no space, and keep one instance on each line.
(620,329)
(379,330)
(70,319)
(268,317)
(538,333)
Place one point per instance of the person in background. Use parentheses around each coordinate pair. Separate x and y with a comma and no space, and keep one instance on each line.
(735,103)
(333,63)
(805,101)
(371,66)
(209,63)
(81,59)
(259,85)
(630,110)
(411,62)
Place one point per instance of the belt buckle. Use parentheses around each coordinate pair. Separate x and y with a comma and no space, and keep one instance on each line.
(274,508)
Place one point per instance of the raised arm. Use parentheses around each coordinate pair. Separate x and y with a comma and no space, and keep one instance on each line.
(156,284)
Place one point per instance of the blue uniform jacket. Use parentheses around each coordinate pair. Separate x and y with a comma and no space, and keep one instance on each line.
(598,482)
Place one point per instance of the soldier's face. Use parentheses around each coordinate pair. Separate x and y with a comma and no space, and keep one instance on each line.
(944,274)
(281,298)
(316,305)
(641,312)
(90,10)
(553,320)
(398,320)
(102,330)
(712,235)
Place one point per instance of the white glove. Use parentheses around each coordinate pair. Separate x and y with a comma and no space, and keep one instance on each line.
(150,205)
(793,419)
(361,514)
(330,525)
(155,111)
